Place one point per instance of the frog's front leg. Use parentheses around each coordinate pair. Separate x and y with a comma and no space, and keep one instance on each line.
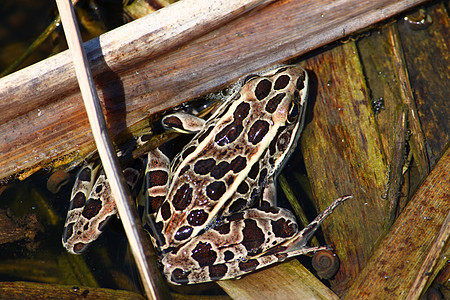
(182,122)
(91,205)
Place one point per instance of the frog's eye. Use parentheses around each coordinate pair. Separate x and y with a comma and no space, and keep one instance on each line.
(293,112)
(250,77)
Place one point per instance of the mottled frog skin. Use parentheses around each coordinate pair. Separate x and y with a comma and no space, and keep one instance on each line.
(212,208)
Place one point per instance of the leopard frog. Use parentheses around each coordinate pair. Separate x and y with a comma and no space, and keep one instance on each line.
(213,209)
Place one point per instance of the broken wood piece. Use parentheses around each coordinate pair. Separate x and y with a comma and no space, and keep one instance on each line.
(393,268)
(288,280)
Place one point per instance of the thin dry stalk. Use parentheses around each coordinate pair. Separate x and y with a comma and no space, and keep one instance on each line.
(107,153)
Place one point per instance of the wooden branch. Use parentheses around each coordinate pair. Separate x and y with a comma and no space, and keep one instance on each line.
(429,263)
(160,61)
(32,290)
(395,265)
(288,280)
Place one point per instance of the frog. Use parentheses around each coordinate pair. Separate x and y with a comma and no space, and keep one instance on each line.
(212,211)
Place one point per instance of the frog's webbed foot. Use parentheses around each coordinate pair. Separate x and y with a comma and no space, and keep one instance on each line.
(297,245)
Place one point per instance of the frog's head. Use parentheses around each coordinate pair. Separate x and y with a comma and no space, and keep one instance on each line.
(282,94)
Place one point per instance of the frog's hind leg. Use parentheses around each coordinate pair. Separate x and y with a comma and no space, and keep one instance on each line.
(245,242)
(228,250)
(296,245)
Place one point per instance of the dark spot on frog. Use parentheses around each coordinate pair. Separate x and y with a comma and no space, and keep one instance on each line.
(293,113)
(78,201)
(258,131)
(204,254)
(228,255)
(220,170)
(182,197)
(238,164)
(233,130)
(183,233)
(281,82)
(236,217)
(157,178)
(283,228)
(249,265)
(180,276)
(243,188)
(183,170)
(85,174)
(205,134)
(165,211)
(241,112)
(262,89)
(160,239)
(223,229)
(253,236)
(273,103)
(229,134)
(197,217)
(216,272)
(91,209)
(99,189)
(262,176)
(188,151)
(204,166)
(172,122)
(68,231)
(79,247)
(270,209)
(254,171)
(215,190)
(155,203)
(283,141)
(300,82)
(237,205)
